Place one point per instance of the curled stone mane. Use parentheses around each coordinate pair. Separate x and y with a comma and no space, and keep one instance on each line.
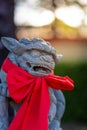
(39,44)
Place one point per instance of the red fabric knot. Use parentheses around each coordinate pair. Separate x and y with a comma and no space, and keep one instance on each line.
(33,92)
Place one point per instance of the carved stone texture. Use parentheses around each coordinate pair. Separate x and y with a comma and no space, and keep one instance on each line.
(37,57)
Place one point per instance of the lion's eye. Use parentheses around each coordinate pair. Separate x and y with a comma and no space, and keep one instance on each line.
(28,64)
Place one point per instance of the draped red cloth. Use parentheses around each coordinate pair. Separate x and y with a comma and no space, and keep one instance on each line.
(33,92)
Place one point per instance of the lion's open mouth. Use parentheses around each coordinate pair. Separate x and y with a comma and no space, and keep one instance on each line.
(42,69)
(39,69)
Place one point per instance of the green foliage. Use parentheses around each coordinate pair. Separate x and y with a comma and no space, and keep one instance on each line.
(76,100)
(81,129)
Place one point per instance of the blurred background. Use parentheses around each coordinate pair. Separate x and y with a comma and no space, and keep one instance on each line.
(64,24)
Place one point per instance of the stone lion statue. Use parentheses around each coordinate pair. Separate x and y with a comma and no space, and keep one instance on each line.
(38,58)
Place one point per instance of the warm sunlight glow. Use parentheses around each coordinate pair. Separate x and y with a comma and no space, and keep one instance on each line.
(33,17)
(85,20)
(71,15)
(83,1)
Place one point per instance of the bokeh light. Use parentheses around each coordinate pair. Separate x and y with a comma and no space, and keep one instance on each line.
(33,17)
(83,2)
(71,15)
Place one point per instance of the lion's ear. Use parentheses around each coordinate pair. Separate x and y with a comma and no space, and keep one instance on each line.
(59,57)
(13,45)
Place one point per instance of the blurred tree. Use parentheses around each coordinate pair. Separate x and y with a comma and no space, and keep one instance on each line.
(52,4)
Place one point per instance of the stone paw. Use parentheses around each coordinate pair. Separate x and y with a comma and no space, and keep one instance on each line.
(55,125)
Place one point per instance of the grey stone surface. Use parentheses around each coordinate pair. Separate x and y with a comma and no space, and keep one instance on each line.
(3,113)
(37,57)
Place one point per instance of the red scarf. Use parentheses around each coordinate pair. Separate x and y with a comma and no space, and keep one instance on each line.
(33,92)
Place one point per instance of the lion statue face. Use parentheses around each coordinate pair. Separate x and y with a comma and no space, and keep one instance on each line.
(36,56)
